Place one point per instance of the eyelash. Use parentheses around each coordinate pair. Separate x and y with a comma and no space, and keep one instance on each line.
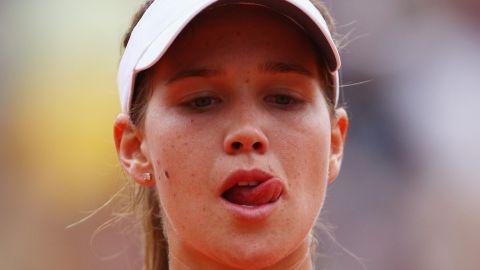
(279,101)
(194,103)
(282,101)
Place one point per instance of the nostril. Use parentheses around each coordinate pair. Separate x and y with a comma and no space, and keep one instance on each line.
(237,145)
(257,145)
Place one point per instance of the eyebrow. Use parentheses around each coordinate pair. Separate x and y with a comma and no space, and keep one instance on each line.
(268,67)
(283,67)
(195,72)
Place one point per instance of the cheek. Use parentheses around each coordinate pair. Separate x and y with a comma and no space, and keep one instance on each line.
(180,153)
(305,156)
(306,145)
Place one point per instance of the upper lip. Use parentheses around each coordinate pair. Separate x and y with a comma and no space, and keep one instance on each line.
(257,175)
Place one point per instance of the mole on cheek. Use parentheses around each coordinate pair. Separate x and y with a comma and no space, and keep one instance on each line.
(166,174)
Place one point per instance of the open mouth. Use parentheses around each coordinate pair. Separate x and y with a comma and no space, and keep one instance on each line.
(252,188)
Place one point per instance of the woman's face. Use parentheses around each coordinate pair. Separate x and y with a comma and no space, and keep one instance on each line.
(239,139)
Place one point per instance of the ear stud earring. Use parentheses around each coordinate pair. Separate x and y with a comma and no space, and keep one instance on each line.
(147,177)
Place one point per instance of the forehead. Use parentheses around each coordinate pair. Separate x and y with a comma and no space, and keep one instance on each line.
(240,32)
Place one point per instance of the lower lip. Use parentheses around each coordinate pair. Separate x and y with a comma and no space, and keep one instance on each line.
(250,213)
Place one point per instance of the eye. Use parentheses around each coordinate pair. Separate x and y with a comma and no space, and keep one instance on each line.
(202,102)
(282,100)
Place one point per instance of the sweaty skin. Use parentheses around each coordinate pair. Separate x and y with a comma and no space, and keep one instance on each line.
(237,74)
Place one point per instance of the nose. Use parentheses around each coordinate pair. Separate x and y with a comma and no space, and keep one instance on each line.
(246,139)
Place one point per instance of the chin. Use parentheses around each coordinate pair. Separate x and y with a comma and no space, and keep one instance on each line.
(256,254)
(249,260)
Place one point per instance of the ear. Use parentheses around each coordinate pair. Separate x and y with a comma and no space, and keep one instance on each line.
(131,152)
(338,136)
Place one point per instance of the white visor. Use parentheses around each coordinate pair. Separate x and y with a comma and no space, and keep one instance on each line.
(165,19)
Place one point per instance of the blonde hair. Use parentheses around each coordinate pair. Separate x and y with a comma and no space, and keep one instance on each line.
(145,200)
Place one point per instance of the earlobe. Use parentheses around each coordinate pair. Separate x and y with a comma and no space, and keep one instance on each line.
(129,143)
(338,136)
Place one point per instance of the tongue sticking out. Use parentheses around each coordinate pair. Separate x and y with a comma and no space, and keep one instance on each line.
(266,192)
